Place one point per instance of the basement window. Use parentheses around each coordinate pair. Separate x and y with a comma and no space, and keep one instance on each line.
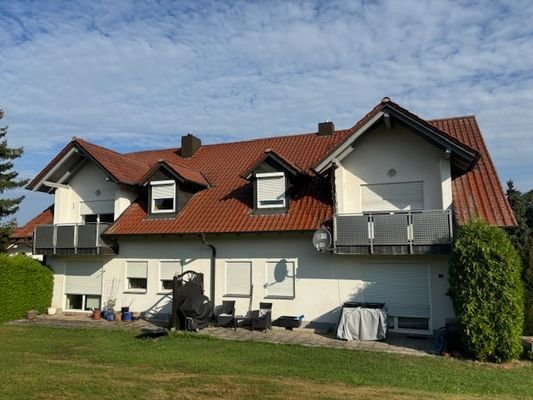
(271,188)
(163,196)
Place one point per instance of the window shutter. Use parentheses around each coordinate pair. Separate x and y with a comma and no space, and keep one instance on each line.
(280,283)
(404,288)
(97,207)
(137,269)
(271,188)
(392,196)
(163,191)
(83,278)
(238,277)
(168,269)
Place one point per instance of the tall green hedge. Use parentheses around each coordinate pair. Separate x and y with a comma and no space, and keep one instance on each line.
(25,284)
(487,292)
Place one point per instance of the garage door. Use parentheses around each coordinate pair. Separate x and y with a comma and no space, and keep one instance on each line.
(403,287)
(83,278)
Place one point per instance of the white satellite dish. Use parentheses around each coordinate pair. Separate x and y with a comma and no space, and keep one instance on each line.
(322,239)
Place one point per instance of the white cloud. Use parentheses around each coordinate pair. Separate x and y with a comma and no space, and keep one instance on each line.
(138,75)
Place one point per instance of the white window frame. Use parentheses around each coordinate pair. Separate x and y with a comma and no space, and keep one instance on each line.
(152,200)
(243,295)
(83,301)
(180,270)
(127,288)
(267,175)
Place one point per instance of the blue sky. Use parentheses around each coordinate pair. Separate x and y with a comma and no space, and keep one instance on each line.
(137,75)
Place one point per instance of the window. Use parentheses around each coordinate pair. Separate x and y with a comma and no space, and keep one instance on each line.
(238,278)
(167,271)
(163,196)
(271,189)
(94,218)
(137,276)
(83,302)
(280,279)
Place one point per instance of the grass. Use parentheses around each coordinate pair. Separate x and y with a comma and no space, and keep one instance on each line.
(60,363)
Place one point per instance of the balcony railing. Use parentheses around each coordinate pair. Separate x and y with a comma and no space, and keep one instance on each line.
(401,232)
(72,239)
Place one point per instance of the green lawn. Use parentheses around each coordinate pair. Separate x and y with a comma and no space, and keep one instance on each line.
(61,363)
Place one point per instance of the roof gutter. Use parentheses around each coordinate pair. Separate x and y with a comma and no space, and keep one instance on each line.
(212,271)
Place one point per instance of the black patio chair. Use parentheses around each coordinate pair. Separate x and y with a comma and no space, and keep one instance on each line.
(227,314)
(262,318)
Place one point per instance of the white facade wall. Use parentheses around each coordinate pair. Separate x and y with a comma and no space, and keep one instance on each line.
(323,282)
(90,184)
(413,159)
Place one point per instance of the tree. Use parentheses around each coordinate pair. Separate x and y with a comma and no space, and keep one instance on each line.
(487,292)
(8,181)
(522,237)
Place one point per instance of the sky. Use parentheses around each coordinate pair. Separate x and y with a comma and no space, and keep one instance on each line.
(138,75)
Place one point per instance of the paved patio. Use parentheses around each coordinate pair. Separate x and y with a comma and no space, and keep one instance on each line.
(395,343)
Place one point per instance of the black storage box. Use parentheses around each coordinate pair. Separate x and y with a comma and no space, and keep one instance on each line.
(288,322)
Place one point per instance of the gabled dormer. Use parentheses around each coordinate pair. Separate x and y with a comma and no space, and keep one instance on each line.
(272,177)
(170,186)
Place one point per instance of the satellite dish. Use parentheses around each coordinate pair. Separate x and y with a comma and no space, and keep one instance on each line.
(322,239)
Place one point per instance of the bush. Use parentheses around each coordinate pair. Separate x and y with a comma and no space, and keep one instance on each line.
(25,284)
(487,292)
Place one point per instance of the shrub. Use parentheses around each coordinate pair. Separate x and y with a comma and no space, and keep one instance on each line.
(487,292)
(25,284)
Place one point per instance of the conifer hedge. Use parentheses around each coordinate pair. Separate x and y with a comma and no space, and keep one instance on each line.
(487,292)
(25,284)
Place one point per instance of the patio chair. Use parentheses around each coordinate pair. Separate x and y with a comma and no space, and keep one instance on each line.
(262,318)
(227,314)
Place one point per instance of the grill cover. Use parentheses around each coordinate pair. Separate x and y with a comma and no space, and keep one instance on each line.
(362,323)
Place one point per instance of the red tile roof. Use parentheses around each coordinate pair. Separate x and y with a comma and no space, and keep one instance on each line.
(225,207)
(478,193)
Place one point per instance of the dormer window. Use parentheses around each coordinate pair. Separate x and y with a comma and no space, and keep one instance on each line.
(271,188)
(163,196)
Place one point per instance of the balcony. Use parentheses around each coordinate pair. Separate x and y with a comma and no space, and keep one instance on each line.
(72,239)
(399,232)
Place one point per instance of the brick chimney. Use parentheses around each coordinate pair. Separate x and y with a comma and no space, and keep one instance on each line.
(326,128)
(189,145)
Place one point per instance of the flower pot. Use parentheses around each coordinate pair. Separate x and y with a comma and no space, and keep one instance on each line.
(51,311)
(97,314)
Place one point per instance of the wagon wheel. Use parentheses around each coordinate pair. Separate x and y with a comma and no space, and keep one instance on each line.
(190,276)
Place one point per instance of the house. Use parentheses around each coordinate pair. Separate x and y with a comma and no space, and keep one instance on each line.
(390,190)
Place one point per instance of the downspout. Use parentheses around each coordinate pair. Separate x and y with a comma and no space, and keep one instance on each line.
(213,261)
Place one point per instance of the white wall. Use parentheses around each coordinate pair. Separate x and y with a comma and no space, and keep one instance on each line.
(322,281)
(413,159)
(90,184)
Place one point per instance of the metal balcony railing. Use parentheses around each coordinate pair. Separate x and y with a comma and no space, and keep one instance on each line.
(71,239)
(397,232)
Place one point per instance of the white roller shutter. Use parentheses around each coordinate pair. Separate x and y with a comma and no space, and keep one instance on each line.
(392,196)
(238,277)
(97,207)
(166,191)
(271,188)
(83,278)
(137,269)
(282,286)
(168,269)
(403,287)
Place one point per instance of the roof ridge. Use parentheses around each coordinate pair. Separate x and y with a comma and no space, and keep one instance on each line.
(338,131)
(83,141)
(470,116)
